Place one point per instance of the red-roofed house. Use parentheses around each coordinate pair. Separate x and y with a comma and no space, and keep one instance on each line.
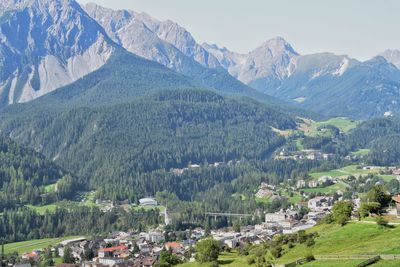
(113,251)
(30,255)
(174,246)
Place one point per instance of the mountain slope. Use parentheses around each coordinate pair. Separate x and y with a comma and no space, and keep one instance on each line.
(343,87)
(121,24)
(24,173)
(264,67)
(392,56)
(45,44)
(165,130)
(166,43)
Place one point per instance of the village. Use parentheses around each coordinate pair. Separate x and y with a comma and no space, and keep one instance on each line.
(143,249)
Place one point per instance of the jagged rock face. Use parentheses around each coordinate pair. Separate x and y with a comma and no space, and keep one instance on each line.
(162,41)
(46,44)
(392,56)
(262,68)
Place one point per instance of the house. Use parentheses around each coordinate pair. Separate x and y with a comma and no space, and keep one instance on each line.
(148,262)
(320,203)
(154,236)
(31,256)
(301,184)
(112,252)
(313,184)
(111,261)
(148,202)
(175,247)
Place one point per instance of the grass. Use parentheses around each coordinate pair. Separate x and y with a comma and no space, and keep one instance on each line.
(333,263)
(225,259)
(387,263)
(352,239)
(50,188)
(28,246)
(344,124)
(326,190)
(263,200)
(42,209)
(350,170)
(361,152)
(310,127)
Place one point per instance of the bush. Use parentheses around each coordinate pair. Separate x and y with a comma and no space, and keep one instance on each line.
(310,242)
(207,250)
(251,260)
(310,257)
(214,264)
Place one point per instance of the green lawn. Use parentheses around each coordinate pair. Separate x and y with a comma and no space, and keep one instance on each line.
(28,246)
(310,128)
(225,259)
(361,152)
(344,124)
(350,170)
(352,239)
(387,263)
(333,263)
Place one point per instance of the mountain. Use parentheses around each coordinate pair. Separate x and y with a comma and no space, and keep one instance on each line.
(163,130)
(329,84)
(392,56)
(124,25)
(264,67)
(169,44)
(341,86)
(46,44)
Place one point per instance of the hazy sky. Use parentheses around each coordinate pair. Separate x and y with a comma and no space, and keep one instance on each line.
(359,28)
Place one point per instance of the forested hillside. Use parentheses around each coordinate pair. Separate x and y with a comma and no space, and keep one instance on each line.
(23,175)
(167,130)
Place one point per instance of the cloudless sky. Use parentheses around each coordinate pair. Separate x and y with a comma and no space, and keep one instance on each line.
(359,28)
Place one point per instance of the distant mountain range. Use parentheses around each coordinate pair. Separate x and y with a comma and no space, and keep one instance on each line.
(48,44)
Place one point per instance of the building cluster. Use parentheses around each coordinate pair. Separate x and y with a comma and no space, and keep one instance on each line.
(119,249)
(309,154)
(322,181)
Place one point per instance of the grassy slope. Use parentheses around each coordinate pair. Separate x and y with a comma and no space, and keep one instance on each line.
(28,246)
(226,259)
(351,239)
(350,170)
(310,127)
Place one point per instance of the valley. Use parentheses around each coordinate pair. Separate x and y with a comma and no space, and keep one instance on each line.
(126,142)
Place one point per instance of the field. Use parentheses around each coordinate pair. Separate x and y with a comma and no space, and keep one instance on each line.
(28,246)
(225,259)
(310,128)
(350,170)
(352,239)
(325,190)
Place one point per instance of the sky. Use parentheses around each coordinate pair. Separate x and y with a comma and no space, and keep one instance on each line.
(358,28)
